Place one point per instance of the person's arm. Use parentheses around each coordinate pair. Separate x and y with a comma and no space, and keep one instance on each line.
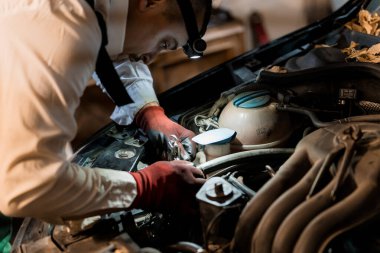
(40,87)
(41,84)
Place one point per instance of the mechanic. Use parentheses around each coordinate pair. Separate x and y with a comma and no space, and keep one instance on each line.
(49,50)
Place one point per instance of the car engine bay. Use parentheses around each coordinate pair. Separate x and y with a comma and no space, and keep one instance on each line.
(300,173)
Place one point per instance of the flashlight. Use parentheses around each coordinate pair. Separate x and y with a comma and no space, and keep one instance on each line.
(194,49)
(195,45)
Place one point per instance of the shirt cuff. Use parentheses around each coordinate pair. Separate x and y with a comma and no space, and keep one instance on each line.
(138,82)
(141,93)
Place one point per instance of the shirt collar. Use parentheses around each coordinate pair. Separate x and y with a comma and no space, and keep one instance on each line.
(115,13)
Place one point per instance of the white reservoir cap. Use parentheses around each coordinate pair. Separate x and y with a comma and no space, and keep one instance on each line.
(216,136)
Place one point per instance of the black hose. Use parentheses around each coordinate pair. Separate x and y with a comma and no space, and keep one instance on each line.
(320,124)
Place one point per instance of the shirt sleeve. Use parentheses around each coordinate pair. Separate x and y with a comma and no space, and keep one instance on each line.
(40,87)
(138,82)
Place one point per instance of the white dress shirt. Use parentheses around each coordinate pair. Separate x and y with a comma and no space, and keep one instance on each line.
(48,50)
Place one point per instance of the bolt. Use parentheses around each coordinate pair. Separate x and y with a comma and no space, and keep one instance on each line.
(219,190)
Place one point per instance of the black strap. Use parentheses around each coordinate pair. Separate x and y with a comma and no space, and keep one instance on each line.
(189,17)
(105,69)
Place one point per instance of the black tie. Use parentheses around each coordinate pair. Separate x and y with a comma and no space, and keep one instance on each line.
(105,69)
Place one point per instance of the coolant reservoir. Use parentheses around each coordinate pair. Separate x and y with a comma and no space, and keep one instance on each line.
(216,142)
(258,124)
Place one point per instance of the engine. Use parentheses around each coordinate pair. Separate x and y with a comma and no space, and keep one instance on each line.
(295,171)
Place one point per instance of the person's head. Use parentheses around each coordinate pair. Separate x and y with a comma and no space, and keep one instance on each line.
(155,25)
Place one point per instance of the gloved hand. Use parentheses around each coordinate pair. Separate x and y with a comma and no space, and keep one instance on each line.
(159,127)
(168,186)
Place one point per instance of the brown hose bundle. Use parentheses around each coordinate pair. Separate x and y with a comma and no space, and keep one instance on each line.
(328,186)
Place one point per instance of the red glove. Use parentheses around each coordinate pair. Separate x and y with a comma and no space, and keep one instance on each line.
(167,186)
(153,121)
